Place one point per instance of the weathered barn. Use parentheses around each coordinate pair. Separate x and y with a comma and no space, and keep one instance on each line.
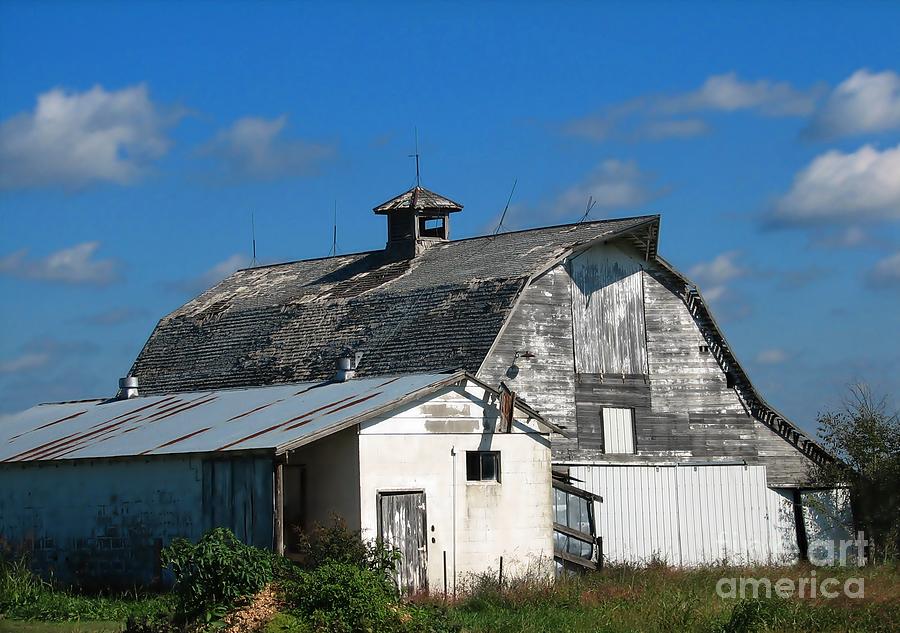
(662,447)
(94,489)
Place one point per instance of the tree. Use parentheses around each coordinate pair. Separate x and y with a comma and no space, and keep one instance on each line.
(864,436)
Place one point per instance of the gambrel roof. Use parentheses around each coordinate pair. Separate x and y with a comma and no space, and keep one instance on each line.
(439,311)
(290,322)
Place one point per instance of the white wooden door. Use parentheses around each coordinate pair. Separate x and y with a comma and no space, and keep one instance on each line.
(402,525)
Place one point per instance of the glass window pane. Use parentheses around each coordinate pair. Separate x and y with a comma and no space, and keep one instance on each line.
(488,466)
(473,466)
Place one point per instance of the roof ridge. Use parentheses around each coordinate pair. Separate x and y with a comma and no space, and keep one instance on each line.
(649,216)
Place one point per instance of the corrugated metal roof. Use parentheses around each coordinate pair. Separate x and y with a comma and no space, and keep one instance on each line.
(200,422)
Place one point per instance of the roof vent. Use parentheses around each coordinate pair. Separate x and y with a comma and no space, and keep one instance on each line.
(346,366)
(128,387)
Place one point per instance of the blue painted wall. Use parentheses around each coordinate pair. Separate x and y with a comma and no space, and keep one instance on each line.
(102,522)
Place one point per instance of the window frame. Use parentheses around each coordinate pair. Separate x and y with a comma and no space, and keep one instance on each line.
(634,443)
(481,455)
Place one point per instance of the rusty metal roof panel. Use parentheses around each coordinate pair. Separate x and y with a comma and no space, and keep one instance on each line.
(206,421)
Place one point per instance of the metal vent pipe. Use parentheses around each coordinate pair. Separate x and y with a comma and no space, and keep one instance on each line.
(128,387)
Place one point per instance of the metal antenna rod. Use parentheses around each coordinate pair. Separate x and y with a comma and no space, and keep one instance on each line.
(590,205)
(253,238)
(334,232)
(416,155)
(506,208)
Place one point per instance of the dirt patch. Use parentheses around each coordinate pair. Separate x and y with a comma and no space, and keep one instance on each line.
(255,615)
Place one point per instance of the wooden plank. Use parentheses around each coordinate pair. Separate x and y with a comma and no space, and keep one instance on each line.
(402,524)
(576,534)
(577,560)
(279,508)
(608,311)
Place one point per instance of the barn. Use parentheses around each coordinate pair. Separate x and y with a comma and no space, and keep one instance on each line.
(642,439)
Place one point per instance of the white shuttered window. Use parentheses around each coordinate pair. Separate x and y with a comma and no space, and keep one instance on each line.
(618,430)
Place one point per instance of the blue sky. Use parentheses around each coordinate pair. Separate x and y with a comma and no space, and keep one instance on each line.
(136,138)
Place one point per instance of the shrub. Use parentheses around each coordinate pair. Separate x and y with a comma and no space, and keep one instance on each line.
(337,543)
(864,434)
(216,573)
(342,597)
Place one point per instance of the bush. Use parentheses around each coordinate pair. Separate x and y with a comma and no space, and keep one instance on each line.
(337,543)
(342,597)
(865,437)
(216,573)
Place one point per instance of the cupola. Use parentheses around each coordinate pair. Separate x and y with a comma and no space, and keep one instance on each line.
(416,219)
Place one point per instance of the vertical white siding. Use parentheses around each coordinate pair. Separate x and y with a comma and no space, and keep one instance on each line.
(783,527)
(686,515)
(618,430)
(608,312)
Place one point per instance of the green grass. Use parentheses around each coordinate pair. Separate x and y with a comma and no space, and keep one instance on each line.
(660,599)
(24,596)
(612,600)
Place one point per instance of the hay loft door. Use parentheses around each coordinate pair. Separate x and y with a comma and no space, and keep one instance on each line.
(402,525)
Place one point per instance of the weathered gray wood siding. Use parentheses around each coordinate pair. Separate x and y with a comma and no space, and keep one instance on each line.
(608,312)
(689,389)
(237,494)
(684,408)
(541,324)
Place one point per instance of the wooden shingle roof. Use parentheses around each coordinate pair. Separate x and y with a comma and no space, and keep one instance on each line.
(290,322)
(420,199)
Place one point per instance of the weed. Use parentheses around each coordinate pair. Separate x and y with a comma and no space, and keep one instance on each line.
(25,596)
(216,573)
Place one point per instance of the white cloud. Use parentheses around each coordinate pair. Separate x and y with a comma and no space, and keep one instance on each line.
(721,269)
(865,102)
(254,148)
(613,184)
(75,265)
(659,117)
(224,268)
(729,93)
(713,276)
(24,362)
(773,356)
(886,272)
(836,187)
(73,139)
(212,276)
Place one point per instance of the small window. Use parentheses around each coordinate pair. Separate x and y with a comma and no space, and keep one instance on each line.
(483,466)
(433,227)
(704,349)
(618,430)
